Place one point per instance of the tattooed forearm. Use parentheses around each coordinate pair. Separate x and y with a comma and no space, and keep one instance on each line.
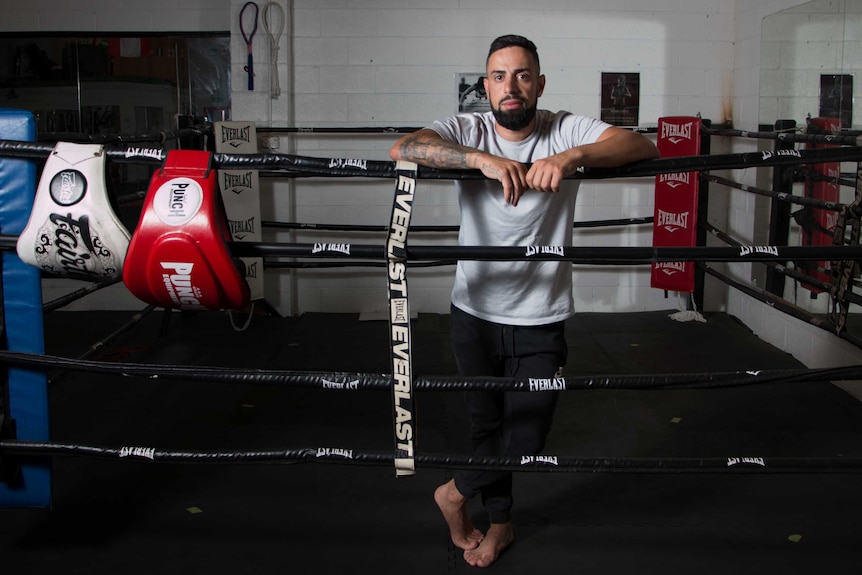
(436,154)
(429,149)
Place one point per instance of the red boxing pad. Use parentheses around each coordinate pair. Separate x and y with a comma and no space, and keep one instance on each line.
(178,256)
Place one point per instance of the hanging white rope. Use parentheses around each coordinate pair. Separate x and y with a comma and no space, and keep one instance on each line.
(274,31)
(689,314)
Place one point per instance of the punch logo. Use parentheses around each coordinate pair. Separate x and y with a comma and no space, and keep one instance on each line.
(553,250)
(329,452)
(145,452)
(352,385)
(70,247)
(731,461)
(318,248)
(154,153)
(348,163)
(670,268)
(546,459)
(236,182)
(68,187)
(241,229)
(178,200)
(178,283)
(235,136)
(672,221)
(555,384)
(746,250)
(675,180)
(676,133)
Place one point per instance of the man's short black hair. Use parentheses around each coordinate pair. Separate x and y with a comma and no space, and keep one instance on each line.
(513,40)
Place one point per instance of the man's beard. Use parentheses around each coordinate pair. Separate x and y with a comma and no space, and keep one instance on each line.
(515,120)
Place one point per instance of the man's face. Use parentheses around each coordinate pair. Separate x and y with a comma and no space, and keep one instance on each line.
(513,86)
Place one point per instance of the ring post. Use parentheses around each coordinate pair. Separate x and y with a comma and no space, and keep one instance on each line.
(27,390)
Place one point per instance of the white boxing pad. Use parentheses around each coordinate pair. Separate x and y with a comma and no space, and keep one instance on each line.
(72,230)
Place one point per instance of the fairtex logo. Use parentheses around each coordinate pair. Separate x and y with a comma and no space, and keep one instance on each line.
(75,247)
(178,284)
(178,200)
(676,133)
(68,187)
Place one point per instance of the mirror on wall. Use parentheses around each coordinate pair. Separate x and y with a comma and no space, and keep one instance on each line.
(106,85)
(810,56)
(810,59)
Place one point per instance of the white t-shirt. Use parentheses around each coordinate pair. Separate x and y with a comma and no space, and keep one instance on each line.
(520,292)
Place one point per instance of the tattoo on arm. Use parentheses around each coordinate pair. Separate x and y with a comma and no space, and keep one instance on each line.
(435,153)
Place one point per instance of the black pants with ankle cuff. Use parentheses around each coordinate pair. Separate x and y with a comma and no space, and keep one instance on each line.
(505,423)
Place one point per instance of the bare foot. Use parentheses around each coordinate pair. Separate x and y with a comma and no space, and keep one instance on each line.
(453,505)
(498,538)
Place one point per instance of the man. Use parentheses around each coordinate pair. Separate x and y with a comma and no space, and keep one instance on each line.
(508,317)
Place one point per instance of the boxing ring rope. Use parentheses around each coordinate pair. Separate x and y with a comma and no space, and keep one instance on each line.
(293,165)
(537,463)
(298,166)
(354,381)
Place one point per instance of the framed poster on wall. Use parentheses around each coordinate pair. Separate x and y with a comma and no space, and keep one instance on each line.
(621,98)
(470,93)
(836,98)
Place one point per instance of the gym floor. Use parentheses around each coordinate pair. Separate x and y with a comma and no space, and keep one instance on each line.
(133,517)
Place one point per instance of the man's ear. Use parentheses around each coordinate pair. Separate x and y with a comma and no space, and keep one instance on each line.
(541,85)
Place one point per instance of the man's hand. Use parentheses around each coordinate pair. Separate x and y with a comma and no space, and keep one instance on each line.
(547,174)
(512,174)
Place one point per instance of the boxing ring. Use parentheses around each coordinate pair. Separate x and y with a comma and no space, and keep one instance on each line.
(390,395)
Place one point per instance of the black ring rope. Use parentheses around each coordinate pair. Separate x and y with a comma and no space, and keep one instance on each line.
(354,381)
(423,229)
(782,269)
(538,463)
(837,139)
(804,173)
(100,345)
(65,300)
(783,305)
(293,165)
(610,255)
(784,197)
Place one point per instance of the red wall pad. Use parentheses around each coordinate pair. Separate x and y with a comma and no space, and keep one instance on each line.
(821,227)
(675,217)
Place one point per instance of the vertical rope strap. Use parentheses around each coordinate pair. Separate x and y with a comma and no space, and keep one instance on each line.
(843,271)
(399,319)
